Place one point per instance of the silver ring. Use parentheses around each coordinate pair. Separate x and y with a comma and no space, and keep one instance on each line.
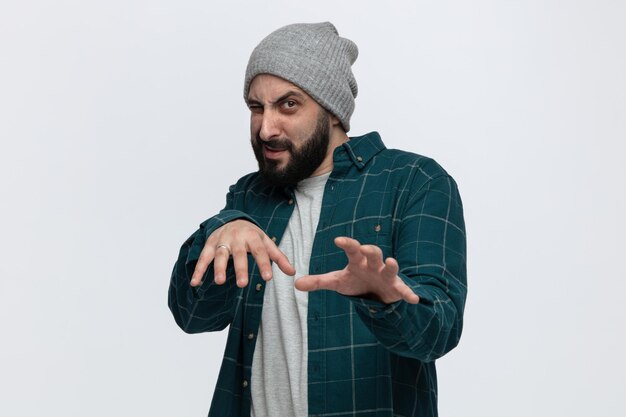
(223,245)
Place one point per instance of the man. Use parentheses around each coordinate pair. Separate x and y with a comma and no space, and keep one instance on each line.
(339,265)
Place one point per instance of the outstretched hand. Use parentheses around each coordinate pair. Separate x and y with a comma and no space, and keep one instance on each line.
(237,239)
(366,275)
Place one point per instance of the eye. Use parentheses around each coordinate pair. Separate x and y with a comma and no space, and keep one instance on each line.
(289,104)
(255,108)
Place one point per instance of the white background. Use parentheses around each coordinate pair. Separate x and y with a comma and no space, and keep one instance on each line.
(122,124)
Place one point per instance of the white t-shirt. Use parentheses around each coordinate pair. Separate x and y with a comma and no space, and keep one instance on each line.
(279,364)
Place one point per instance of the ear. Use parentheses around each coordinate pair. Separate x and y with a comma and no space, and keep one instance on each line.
(334,121)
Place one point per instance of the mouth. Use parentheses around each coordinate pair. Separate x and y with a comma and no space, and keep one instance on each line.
(273,152)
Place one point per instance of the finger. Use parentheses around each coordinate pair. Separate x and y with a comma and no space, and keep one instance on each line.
(374,256)
(204,260)
(326,281)
(219,264)
(391,272)
(261,257)
(240,260)
(351,247)
(391,268)
(207,256)
(279,257)
(408,295)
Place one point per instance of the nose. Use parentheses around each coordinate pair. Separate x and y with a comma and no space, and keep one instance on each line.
(269,126)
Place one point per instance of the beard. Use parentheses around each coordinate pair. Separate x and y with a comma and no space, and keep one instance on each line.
(302,162)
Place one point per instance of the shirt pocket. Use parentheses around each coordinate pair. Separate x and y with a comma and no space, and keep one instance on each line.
(373,231)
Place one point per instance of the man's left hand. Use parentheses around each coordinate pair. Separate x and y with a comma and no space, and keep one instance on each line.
(366,275)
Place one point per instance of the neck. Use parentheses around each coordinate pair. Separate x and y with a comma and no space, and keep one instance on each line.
(337,138)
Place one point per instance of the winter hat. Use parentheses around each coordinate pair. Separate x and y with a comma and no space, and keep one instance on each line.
(315,58)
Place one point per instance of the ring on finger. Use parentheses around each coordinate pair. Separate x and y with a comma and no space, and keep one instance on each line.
(225,246)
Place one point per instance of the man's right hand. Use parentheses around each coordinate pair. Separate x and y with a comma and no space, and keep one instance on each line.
(238,238)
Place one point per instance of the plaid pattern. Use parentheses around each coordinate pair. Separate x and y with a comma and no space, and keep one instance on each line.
(365,358)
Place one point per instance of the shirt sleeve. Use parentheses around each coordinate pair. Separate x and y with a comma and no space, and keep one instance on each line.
(208,307)
(431,251)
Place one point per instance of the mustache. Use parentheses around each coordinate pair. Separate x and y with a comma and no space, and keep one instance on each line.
(275,144)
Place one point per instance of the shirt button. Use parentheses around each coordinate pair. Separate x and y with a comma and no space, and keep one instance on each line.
(244,384)
(377,228)
(358,158)
(290,201)
(274,239)
(373,310)
(250,336)
(258,287)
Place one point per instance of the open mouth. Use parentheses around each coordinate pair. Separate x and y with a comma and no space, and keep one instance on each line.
(273,152)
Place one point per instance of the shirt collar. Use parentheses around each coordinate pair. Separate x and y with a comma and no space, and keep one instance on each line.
(360,149)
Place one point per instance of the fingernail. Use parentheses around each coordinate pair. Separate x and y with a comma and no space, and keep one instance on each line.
(267,274)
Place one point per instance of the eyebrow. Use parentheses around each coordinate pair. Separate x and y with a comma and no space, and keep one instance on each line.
(281,98)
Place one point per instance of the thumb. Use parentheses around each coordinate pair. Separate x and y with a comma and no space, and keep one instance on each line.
(317,282)
(307,283)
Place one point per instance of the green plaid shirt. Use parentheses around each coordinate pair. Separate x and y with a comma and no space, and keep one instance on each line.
(365,358)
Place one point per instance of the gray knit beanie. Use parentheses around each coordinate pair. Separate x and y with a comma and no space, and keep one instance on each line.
(315,58)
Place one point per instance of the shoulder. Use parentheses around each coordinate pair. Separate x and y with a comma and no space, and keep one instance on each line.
(249,181)
(421,169)
(252,186)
